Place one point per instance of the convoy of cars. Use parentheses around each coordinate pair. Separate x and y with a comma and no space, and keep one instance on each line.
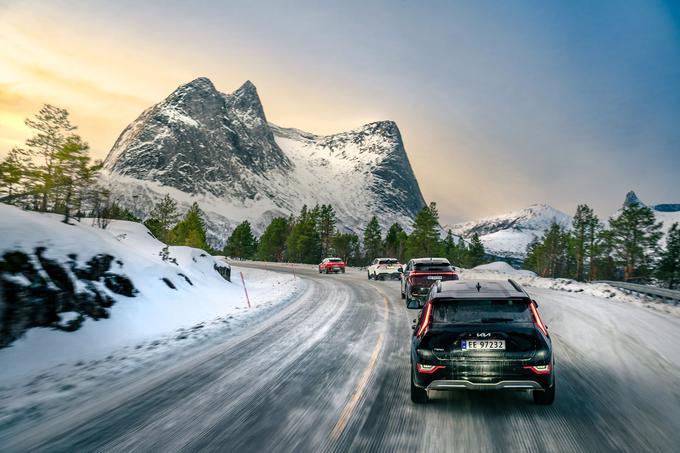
(468,335)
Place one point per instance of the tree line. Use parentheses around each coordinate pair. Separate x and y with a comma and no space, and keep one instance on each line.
(313,234)
(627,248)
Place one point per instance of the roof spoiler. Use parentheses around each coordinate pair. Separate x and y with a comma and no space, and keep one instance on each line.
(517,287)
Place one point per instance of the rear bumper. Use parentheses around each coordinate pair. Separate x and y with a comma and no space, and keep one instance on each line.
(445,384)
(388,274)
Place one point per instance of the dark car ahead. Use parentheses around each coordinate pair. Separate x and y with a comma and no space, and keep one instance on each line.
(484,335)
(421,273)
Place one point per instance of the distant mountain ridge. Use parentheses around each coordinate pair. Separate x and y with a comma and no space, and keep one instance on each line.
(219,149)
(509,234)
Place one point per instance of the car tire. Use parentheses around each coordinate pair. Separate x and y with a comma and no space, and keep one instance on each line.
(403,296)
(418,395)
(544,397)
(343,270)
(369,275)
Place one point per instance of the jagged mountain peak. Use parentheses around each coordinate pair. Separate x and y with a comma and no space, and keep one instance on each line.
(631,199)
(219,149)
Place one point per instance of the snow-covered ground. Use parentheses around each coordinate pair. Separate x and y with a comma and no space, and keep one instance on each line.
(157,315)
(502,270)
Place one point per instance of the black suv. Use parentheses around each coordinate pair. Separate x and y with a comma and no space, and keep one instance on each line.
(420,274)
(484,335)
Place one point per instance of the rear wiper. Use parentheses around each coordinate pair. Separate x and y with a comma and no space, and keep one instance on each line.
(497,319)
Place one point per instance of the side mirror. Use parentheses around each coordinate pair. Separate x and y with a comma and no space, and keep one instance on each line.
(535,303)
(400,270)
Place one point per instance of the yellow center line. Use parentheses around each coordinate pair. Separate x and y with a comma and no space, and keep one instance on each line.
(346,413)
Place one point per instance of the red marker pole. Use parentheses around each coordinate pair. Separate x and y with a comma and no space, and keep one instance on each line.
(244,289)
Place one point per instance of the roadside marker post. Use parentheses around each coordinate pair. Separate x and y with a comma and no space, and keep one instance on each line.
(292,266)
(245,289)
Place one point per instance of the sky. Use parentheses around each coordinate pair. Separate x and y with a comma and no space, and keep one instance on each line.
(501,104)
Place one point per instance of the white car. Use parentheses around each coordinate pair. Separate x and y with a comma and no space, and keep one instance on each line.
(384,268)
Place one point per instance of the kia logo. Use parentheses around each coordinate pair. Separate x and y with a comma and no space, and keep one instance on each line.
(483,335)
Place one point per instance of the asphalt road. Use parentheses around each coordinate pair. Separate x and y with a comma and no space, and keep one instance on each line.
(330,372)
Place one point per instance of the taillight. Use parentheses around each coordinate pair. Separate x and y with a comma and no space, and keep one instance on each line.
(426,320)
(539,369)
(428,369)
(537,320)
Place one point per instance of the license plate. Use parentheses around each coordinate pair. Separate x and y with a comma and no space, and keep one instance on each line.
(484,345)
(434,277)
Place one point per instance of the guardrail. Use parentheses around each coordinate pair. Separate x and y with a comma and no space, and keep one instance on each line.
(666,295)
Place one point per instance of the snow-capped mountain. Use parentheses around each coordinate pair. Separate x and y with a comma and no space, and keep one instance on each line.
(509,234)
(218,149)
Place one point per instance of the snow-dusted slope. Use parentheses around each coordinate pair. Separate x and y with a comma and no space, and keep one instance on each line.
(218,149)
(200,294)
(509,234)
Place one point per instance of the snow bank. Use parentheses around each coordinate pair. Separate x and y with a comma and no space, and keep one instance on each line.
(502,270)
(200,293)
(503,267)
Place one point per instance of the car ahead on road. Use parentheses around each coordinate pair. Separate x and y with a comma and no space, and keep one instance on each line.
(382,268)
(484,335)
(334,265)
(421,273)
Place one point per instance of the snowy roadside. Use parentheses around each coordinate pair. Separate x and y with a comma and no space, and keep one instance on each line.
(178,306)
(27,390)
(527,278)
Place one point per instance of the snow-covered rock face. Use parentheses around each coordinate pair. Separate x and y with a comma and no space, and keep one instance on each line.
(199,140)
(218,149)
(509,234)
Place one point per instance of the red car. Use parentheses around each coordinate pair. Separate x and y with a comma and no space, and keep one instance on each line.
(334,265)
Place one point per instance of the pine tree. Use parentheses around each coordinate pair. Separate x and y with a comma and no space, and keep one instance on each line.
(162,217)
(635,236)
(303,245)
(241,244)
(191,230)
(326,227)
(548,257)
(71,172)
(346,246)
(583,235)
(272,244)
(451,250)
(424,240)
(13,171)
(668,269)
(372,240)
(52,130)
(476,254)
(395,242)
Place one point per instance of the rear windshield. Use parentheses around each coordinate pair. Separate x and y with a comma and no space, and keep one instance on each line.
(433,267)
(335,260)
(388,261)
(481,311)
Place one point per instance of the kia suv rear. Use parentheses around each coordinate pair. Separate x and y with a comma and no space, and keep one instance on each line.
(484,335)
